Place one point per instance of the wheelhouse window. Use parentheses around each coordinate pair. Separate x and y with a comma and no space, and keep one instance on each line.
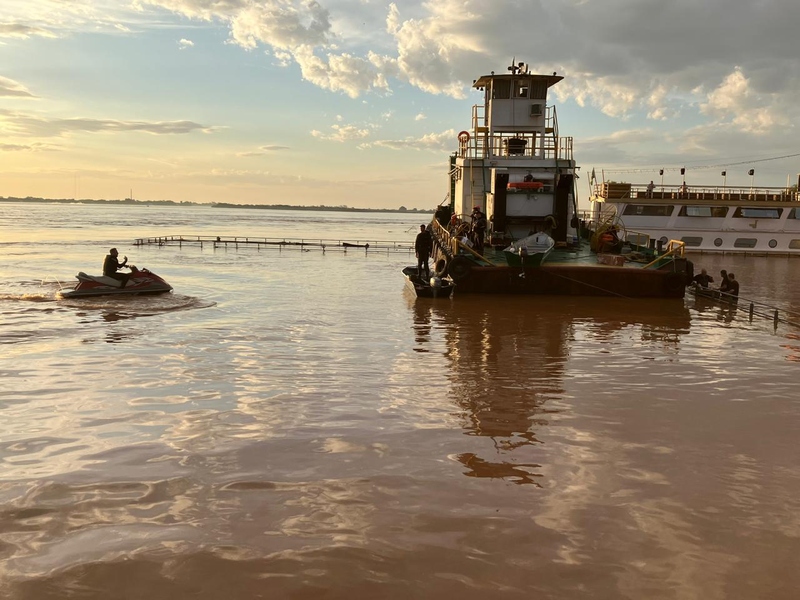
(649,210)
(758,213)
(703,211)
(692,241)
(538,90)
(520,89)
(794,244)
(745,243)
(501,89)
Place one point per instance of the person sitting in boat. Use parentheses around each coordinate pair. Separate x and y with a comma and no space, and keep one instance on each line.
(111,265)
(455,223)
(528,178)
(703,279)
(422,247)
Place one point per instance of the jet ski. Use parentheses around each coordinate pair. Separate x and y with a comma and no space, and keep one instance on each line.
(141,281)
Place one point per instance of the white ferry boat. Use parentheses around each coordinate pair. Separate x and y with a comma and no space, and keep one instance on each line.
(763,220)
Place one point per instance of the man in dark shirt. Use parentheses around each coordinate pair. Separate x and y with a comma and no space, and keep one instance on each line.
(733,287)
(703,279)
(478,228)
(423,246)
(111,265)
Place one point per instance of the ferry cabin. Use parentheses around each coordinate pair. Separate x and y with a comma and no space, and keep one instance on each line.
(706,218)
(512,162)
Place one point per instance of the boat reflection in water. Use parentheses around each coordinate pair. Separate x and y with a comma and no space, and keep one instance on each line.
(508,364)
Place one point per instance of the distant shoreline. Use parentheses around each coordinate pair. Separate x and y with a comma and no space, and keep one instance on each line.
(129,202)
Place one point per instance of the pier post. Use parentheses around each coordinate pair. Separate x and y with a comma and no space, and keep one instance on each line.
(775,320)
(751,312)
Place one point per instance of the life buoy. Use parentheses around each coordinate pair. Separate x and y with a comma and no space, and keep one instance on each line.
(459,268)
(463,136)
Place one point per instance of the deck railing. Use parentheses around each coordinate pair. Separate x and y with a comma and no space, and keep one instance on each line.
(622,191)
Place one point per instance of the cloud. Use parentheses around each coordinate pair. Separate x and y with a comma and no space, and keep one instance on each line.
(343,133)
(36,147)
(263,150)
(735,100)
(437,142)
(184,43)
(420,117)
(28,125)
(9,87)
(23,32)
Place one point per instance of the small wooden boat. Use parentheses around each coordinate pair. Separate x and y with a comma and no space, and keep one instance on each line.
(441,288)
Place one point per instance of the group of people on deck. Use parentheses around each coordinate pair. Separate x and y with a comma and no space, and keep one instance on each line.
(471,234)
(729,286)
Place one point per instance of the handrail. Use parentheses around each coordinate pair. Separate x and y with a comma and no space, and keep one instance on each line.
(673,247)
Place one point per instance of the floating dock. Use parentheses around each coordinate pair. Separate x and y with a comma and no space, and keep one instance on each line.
(260,243)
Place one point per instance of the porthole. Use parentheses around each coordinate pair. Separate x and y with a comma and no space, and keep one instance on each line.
(718,242)
(663,239)
(773,243)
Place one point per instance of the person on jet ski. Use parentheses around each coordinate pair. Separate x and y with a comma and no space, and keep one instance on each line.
(111,265)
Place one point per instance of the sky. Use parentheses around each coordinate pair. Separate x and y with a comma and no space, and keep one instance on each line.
(358,102)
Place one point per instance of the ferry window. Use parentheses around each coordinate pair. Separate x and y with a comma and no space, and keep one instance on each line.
(718,242)
(521,89)
(745,243)
(501,89)
(794,244)
(758,213)
(692,241)
(703,211)
(649,210)
(538,91)
(794,214)
(773,243)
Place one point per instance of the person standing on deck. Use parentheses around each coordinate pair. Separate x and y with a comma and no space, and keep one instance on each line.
(478,228)
(650,187)
(423,246)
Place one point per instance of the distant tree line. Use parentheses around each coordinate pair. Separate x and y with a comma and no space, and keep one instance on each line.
(129,201)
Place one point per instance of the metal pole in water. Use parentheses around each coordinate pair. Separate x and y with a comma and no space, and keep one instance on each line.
(775,320)
(751,312)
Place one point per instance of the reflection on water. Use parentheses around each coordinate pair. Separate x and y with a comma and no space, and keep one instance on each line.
(507,358)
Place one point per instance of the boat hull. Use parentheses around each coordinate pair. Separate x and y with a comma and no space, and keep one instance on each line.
(564,280)
(140,282)
(422,289)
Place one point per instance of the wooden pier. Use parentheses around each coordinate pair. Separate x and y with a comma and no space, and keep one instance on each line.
(259,243)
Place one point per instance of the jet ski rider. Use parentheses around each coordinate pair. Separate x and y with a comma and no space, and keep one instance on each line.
(111,265)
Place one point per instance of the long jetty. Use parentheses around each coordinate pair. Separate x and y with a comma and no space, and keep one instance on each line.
(260,243)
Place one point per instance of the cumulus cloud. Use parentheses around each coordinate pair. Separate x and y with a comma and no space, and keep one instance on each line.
(735,100)
(29,125)
(420,117)
(184,43)
(9,87)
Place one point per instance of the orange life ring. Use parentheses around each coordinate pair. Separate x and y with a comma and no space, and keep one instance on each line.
(463,136)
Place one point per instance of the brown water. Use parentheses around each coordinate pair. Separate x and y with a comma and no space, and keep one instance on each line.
(296,425)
